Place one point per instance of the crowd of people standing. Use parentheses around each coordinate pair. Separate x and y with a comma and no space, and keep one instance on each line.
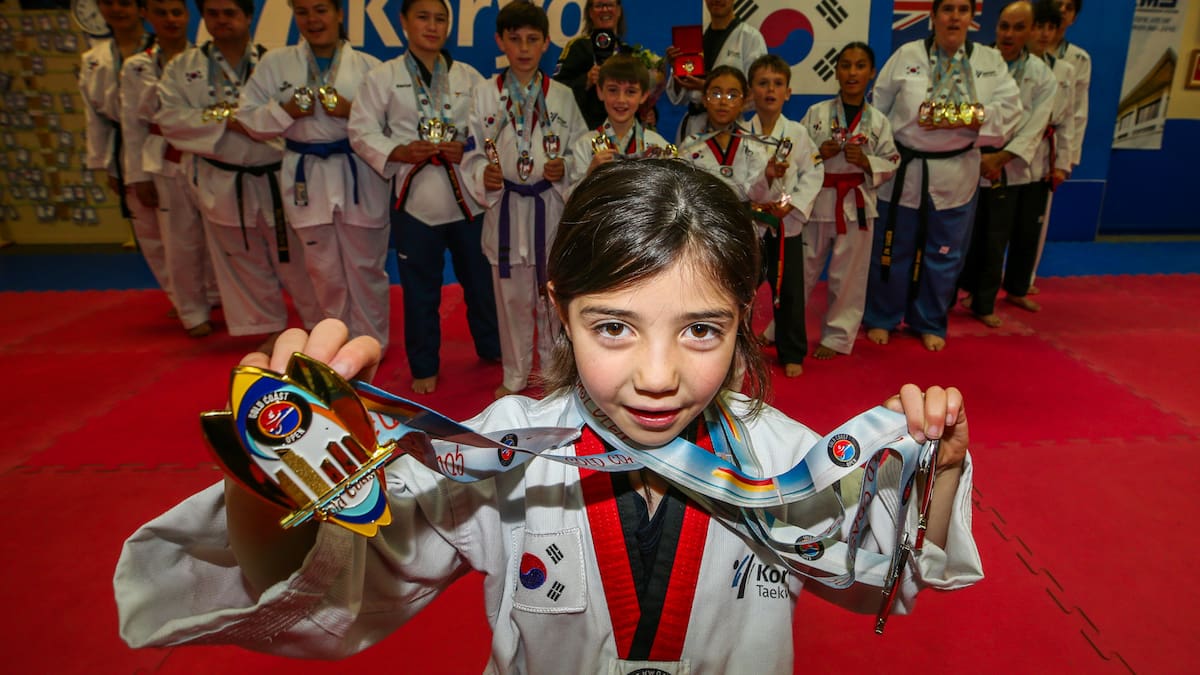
(249,174)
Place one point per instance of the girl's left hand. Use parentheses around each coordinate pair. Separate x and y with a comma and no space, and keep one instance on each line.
(554,169)
(935,413)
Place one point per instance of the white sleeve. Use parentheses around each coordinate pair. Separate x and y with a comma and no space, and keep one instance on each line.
(258,110)
(181,123)
(883,157)
(98,130)
(368,125)
(136,85)
(1028,137)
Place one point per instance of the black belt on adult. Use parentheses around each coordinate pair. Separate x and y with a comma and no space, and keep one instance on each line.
(907,155)
(271,171)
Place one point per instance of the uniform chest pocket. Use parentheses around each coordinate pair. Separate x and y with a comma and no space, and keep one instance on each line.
(550,577)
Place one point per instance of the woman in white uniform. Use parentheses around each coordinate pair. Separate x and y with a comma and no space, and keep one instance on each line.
(332,198)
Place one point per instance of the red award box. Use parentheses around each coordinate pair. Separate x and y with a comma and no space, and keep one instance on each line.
(690,42)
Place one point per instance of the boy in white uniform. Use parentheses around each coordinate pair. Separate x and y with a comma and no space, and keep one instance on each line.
(784,195)
(585,571)
(728,41)
(234,178)
(1013,191)
(622,85)
(335,202)
(856,146)
(392,129)
(531,122)
(154,173)
(99,87)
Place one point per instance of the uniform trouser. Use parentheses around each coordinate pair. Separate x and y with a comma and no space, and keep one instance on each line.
(1029,233)
(849,257)
(420,251)
(520,311)
(347,267)
(249,273)
(149,237)
(188,264)
(994,221)
(947,236)
(791,341)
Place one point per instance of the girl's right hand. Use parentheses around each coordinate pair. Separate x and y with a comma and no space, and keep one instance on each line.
(493,177)
(829,149)
(602,157)
(413,153)
(329,343)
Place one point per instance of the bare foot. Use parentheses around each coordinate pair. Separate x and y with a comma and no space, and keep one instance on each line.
(200,330)
(1033,290)
(793,369)
(934,343)
(966,301)
(503,391)
(824,353)
(425,385)
(989,320)
(1024,303)
(878,335)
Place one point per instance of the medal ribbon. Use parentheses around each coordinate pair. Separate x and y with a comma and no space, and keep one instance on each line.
(315,75)
(953,80)
(530,104)
(231,81)
(636,147)
(432,101)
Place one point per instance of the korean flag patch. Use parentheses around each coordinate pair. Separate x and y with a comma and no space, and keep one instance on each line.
(550,576)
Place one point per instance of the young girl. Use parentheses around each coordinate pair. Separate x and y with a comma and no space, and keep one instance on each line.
(723,148)
(337,204)
(392,128)
(649,277)
(855,142)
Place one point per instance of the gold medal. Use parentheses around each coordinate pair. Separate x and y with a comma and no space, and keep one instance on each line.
(489,149)
(328,96)
(925,114)
(601,143)
(966,113)
(939,114)
(551,145)
(951,115)
(980,118)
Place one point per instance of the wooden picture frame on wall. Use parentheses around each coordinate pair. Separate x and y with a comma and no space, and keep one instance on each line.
(1193,72)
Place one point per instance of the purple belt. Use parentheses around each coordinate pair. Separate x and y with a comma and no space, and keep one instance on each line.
(539,227)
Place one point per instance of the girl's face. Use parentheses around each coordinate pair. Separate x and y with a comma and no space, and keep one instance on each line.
(319,21)
(427,24)
(854,72)
(120,14)
(653,356)
(724,99)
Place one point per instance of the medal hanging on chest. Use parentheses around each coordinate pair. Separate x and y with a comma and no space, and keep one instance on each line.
(225,93)
(843,130)
(951,100)
(526,108)
(322,81)
(433,102)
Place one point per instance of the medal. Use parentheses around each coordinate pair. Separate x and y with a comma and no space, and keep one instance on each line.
(489,149)
(939,114)
(430,129)
(601,143)
(689,67)
(671,150)
(727,171)
(966,112)
(783,150)
(303,99)
(524,166)
(980,118)
(449,132)
(951,115)
(925,114)
(551,145)
(328,96)
(301,194)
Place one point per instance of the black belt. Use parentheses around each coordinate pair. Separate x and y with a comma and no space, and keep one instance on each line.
(271,171)
(889,234)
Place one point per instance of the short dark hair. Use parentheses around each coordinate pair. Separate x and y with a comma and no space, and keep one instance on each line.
(1047,11)
(407,5)
(771,62)
(629,221)
(522,14)
(624,68)
(938,3)
(721,71)
(247,7)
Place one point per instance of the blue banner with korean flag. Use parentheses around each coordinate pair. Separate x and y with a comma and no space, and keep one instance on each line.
(807,34)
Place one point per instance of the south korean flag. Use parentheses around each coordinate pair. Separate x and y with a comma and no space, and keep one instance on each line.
(550,575)
(807,34)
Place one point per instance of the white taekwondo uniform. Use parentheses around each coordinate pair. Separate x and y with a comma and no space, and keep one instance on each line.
(632,145)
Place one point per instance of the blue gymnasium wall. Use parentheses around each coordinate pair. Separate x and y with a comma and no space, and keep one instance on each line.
(1125,191)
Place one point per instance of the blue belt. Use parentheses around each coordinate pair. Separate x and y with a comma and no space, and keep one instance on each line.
(323,151)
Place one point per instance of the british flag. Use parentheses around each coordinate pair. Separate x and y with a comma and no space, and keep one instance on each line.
(910,20)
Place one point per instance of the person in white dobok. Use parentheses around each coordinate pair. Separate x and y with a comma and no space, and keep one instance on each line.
(411,124)
(649,277)
(333,200)
(234,179)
